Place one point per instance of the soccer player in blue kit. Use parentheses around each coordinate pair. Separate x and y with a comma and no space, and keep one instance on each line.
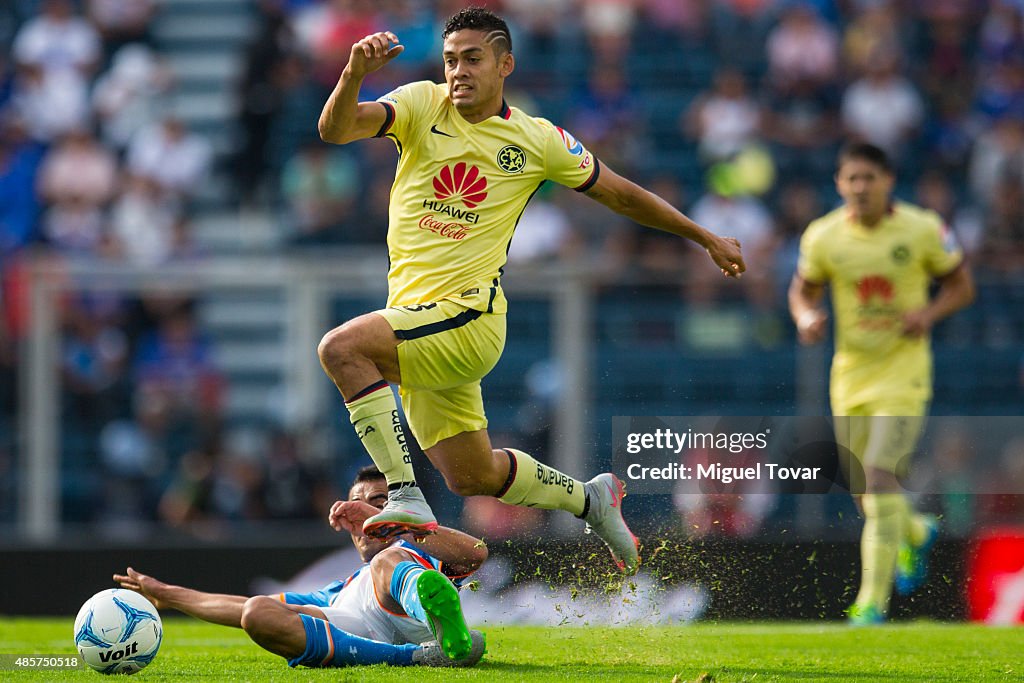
(401,607)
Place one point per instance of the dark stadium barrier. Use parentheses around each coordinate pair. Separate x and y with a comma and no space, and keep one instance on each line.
(744,580)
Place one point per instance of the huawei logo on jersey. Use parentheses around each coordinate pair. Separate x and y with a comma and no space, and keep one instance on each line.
(460,182)
(874,286)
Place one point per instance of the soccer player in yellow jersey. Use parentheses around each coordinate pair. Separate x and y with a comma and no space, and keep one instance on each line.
(879,258)
(468,165)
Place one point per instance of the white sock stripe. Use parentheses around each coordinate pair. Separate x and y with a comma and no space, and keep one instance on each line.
(409,583)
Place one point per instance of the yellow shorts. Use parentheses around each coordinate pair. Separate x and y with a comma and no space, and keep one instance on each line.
(444,352)
(879,435)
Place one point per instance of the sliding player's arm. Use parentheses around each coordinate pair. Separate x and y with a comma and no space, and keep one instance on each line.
(344,118)
(956,291)
(646,208)
(217,608)
(460,552)
(805,307)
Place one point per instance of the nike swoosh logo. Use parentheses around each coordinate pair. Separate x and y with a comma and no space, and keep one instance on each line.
(408,512)
(615,500)
(435,131)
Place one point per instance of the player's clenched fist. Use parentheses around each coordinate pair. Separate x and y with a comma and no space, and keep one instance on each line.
(373,52)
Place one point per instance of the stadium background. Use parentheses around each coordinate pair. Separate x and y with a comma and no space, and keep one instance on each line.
(174,238)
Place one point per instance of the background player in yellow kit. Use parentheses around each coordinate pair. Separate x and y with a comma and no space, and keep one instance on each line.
(468,165)
(879,257)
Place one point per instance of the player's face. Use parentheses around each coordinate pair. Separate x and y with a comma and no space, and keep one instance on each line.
(475,74)
(865,187)
(376,494)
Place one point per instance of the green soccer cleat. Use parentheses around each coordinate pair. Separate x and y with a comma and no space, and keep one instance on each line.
(431,653)
(912,561)
(440,601)
(864,615)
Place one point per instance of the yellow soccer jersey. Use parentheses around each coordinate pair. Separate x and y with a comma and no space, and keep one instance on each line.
(459,191)
(876,275)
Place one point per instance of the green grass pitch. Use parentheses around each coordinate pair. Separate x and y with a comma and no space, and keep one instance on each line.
(706,652)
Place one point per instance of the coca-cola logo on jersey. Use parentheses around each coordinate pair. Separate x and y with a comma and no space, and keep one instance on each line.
(449,229)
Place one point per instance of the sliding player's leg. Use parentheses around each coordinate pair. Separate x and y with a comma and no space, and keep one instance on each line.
(302,635)
(403,586)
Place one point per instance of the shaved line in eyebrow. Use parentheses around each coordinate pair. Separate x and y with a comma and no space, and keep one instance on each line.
(499,35)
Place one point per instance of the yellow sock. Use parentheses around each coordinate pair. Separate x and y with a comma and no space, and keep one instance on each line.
(374,414)
(884,524)
(534,484)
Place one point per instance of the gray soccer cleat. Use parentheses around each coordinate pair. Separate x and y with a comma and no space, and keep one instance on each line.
(604,517)
(431,654)
(405,511)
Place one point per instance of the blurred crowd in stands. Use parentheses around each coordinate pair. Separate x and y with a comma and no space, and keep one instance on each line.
(733,110)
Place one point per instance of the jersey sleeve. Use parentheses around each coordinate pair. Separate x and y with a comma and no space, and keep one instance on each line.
(404,106)
(812,265)
(567,161)
(942,252)
(320,598)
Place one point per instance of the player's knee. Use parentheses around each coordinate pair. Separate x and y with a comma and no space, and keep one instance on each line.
(384,561)
(253,612)
(383,565)
(336,346)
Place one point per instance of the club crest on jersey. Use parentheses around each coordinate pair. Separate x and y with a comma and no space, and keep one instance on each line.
(900,253)
(511,159)
(462,183)
(572,144)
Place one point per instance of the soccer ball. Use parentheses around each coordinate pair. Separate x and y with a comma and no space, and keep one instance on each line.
(118,631)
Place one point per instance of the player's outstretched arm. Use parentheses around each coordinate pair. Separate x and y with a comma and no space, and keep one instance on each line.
(344,118)
(956,291)
(646,208)
(805,307)
(462,553)
(215,608)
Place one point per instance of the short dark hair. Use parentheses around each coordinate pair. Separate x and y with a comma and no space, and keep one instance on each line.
(865,151)
(368,473)
(480,19)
